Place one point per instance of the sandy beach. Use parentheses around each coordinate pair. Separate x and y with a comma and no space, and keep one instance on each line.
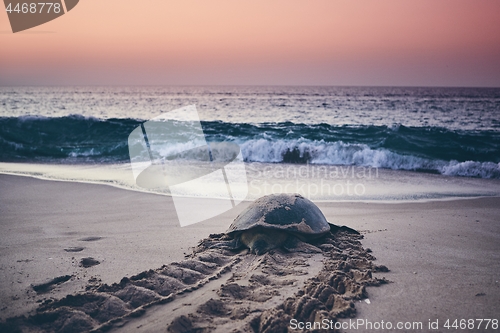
(62,238)
(250,166)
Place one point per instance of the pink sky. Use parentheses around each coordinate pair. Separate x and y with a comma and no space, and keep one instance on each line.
(259,42)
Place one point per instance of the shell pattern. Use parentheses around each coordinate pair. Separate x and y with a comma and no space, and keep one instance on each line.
(289,212)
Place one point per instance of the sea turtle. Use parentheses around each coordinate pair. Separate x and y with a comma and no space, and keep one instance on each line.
(279,220)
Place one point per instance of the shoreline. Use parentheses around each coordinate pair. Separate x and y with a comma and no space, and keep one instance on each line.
(386,188)
(443,256)
(373,201)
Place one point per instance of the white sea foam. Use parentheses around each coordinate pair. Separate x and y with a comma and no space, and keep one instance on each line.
(340,153)
(317,182)
(472,169)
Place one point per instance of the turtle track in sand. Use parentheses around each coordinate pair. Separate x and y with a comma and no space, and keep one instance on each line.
(248,293)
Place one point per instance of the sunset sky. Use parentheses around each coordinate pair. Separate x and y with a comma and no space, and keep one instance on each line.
(259,42)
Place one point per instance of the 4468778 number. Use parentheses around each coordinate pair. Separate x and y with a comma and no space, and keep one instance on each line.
(471,324)
(34,7)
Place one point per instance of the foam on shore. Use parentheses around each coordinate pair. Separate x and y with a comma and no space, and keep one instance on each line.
(316,182)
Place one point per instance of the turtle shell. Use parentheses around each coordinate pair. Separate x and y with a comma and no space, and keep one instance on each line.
(289,212)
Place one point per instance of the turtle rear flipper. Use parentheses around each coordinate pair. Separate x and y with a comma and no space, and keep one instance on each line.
(293,244)
(335,228)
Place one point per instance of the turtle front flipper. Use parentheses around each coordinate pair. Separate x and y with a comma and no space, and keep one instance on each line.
(233,245)
(293,244)
(335,228)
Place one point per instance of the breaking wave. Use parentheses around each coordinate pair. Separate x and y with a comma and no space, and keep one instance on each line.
(78,139)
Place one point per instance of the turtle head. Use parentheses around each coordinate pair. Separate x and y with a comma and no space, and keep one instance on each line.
(262,240)
(260,246)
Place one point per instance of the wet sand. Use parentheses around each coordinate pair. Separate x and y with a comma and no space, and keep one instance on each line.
(61,238)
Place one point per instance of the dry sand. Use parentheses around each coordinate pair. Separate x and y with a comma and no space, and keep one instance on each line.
(61,239)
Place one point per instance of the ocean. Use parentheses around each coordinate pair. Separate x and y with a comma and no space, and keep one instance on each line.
(437,142)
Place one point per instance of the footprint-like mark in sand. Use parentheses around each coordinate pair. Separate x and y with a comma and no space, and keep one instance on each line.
(90,239)
(220,291)
(74,249)
(49,285)
(89,262)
